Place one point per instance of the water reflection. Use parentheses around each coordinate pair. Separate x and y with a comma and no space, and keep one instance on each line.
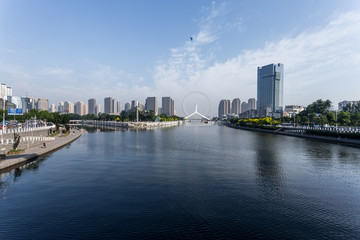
(268,165)
(193,180)
(12,175)
(327,155)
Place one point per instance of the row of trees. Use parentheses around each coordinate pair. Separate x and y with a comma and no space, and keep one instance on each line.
(316,113)
(58,118)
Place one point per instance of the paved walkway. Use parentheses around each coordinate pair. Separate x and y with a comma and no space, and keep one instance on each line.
(40,150)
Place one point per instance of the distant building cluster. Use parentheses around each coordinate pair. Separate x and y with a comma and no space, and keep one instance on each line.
(270,84)
(111,105)
(236,108)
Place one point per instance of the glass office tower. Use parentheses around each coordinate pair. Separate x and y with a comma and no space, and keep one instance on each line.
(270,89)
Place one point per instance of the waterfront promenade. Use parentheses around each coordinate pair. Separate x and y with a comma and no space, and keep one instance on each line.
(116,124)
(40,150)
(297,132)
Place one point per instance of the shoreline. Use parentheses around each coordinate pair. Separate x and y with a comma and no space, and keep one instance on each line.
(34,152)
(342,141)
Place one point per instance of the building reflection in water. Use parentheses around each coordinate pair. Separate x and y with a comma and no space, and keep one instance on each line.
(268,165)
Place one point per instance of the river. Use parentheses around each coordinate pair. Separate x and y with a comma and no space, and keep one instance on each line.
(191,181)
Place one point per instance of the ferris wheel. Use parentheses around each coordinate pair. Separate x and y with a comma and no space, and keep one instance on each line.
(197,98)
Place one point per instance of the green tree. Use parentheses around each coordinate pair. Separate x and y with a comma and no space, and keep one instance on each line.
(322,119)
(331,118)
(344,118)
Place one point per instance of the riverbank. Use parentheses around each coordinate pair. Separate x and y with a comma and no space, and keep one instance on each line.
(39,150)
(337,140)
(134,125)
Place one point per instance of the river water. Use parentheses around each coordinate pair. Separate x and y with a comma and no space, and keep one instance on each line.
(191,181)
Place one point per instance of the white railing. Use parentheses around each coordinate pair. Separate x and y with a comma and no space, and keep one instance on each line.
(21,130)
(28,139)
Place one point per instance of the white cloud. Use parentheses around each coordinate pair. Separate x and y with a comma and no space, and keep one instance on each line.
(322,63)
(56,71)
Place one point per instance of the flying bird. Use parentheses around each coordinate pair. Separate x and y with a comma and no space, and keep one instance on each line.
(191,38)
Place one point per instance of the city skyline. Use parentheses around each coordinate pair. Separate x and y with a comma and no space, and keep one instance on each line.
(108,50)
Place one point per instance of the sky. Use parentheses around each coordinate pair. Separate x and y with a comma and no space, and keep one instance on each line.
(76,50)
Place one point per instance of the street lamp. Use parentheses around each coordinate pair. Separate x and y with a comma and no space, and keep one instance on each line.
(336,119)
(2,135)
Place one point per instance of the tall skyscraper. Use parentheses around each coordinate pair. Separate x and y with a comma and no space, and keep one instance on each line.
(251,103)
(151,104)
(127,107)
(224,108)
(270,88)
(236,106)
(42,104)
(92,105)
(168,106)
(108,105)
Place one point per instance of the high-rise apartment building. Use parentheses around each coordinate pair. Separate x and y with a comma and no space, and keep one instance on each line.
(151,104)
(115,107)
(92,105)
(168,106)
(118,107)
(270,88)
(127,107)
(5,91)
(236,106)
(108,105)
(68,107)
(42,104)
(52,108)
(251,103)
(224,108)
(244,107)
(134,103)
(80,108)
(61,107)
(97,110)
(85,108)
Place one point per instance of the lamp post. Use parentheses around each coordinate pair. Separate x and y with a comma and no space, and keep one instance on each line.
(137,114)
(2,135)
(336,119)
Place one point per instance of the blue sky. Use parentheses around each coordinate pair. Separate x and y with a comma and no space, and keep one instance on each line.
(76,50)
